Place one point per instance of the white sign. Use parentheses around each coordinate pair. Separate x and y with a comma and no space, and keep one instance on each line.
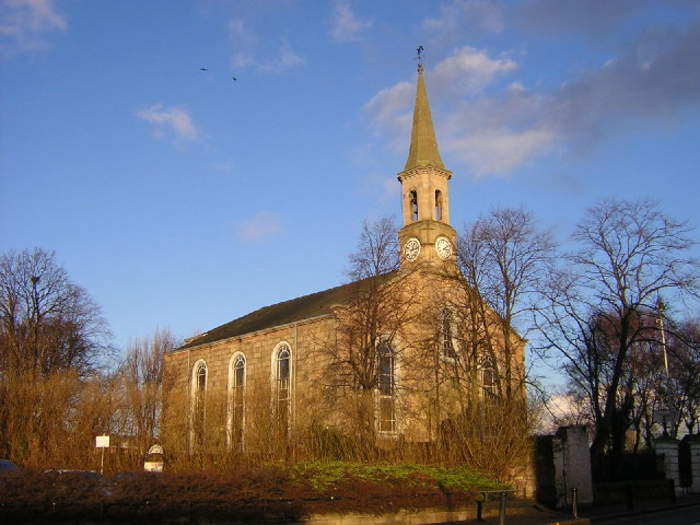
(101,441)
(153,466)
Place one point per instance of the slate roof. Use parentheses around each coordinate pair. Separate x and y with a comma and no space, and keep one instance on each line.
(304,307)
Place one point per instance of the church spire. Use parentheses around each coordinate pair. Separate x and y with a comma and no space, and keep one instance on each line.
(426,234)
(423,150)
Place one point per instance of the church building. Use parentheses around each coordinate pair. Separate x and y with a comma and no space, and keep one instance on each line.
(389,355)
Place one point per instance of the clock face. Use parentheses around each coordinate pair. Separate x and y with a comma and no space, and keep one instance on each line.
(411,249)
(443,247)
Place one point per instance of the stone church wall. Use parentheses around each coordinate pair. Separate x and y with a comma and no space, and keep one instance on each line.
(419,406)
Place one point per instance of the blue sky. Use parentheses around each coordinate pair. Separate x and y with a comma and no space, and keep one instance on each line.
(183,198)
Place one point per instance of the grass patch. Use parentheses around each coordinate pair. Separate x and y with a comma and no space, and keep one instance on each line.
(322,476)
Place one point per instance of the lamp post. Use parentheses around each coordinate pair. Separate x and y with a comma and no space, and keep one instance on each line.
(660,312)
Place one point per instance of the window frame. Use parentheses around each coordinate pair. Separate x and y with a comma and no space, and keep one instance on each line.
(447,317)
(274,381)
(198,405)
(232,413)
(391,397)
(489,392)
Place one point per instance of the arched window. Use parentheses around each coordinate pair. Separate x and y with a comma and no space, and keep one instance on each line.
(282,384)
(236,414)
(446,336)
(438,205)
(413,204)
(488,378)
(198,392)
(386,385)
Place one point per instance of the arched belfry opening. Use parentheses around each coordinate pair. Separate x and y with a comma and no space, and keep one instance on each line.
(438,205)
(413,204)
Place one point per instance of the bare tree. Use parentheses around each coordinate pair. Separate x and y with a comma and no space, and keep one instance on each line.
(141,380)
(377,252)
(46,321)
(504,258)
(377,308)
(629,253)
(681,389)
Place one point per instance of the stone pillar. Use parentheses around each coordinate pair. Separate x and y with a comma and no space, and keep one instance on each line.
(668,447)
(694,443)
(572,465)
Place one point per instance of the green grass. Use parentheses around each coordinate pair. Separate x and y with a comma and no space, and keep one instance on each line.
(324,475)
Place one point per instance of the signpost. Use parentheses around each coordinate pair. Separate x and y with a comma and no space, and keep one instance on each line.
(103,443)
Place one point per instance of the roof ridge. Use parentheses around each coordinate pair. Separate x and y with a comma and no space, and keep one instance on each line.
(316,293)
(264,317)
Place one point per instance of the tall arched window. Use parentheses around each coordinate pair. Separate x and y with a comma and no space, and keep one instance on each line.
(413,204)
(198,392)
(236,414)
(446,336)
(438,205)
(282,384)
(488,379)
(386,385)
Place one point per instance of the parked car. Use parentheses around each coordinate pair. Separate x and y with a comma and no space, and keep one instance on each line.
(65,473)
(7,467)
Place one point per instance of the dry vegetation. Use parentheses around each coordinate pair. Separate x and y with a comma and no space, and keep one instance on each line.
(246,494)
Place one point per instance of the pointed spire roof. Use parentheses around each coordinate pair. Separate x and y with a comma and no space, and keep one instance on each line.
(423,150)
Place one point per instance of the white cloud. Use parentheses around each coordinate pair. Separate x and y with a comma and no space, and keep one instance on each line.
(173,119)
(497,134)
(242,60)
(562,410)
(390,102)
(227,167)
(240,33)
(263,224)
(496,128)
(499,151)
(24,24)
(345,26)
(460,20)
(251,53)
(286,58)
(468,71)
(472,17)
(465,73)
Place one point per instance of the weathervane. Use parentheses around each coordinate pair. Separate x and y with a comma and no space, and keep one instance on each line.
(419,57)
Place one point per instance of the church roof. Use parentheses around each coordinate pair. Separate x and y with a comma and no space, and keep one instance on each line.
(423,150)
(298,309)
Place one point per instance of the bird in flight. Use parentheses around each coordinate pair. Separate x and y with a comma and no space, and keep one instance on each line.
(205,68)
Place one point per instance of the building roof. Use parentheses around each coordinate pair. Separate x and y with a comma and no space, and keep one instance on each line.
(423,150)
(299,309)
